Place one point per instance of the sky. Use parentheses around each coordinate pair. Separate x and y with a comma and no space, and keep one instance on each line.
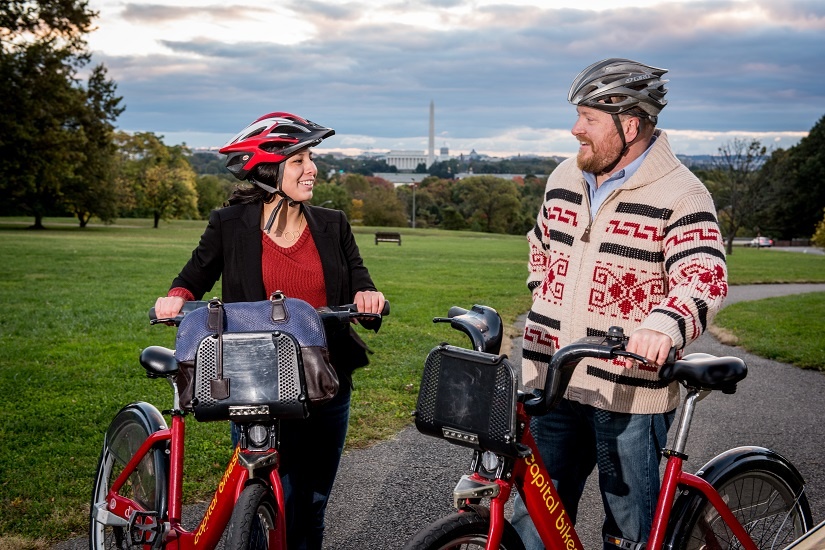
(498,72)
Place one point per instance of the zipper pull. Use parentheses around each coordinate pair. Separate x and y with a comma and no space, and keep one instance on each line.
(586,235)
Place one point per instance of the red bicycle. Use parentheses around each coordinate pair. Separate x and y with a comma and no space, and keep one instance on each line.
(137,496)
(747,497)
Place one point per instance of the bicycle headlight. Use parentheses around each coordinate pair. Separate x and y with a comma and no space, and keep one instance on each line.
(258,435)
(489,461)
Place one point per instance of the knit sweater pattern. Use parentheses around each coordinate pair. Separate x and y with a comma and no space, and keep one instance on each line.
(652,258)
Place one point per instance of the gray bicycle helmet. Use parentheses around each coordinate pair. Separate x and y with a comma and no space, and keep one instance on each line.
(617,85)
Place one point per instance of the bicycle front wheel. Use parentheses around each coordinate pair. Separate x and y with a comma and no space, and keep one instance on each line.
(146,485)
(466,530)
(253,522)
(766,495)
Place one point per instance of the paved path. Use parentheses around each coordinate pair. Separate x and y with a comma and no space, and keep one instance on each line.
(384,494)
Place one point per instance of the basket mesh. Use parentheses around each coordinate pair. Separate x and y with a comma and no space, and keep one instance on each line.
(481,403)
(289,382)
(429,389)
(207,369)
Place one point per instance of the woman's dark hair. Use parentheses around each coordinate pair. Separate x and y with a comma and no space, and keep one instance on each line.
(249,194)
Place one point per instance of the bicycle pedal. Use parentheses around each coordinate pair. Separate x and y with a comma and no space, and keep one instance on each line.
(144,528)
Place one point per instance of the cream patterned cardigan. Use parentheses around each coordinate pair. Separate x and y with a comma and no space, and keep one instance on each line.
(653,257)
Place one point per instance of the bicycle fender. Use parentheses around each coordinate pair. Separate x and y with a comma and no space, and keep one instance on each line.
(147,413)
(152,420)
(717,471)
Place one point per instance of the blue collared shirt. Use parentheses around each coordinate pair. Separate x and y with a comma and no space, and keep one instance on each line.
(599,194)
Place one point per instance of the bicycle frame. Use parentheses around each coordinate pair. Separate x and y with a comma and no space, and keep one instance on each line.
(218,512)
(710,506)
(253,461)
(552,521)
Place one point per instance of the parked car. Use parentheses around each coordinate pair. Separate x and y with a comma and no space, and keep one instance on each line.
(761,242)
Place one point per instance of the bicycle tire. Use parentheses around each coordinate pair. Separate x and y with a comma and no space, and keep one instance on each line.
(147,485)
(464,530)
(253,519)
(764,492)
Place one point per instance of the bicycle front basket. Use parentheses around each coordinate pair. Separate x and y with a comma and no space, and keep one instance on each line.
(469,398)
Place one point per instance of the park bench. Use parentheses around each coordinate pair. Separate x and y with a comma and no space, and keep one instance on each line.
(384,237)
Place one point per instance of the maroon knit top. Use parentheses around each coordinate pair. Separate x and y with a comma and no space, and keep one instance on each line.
(296,271)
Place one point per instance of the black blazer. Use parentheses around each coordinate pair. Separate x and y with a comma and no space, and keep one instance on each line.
(230,249)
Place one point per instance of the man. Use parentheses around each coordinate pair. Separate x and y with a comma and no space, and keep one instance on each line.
(626,236)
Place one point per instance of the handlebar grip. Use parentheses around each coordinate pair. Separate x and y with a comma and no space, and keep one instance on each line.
(374,324)
(188,307)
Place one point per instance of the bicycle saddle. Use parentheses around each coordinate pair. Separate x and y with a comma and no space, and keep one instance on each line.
(159,361)
(707,372)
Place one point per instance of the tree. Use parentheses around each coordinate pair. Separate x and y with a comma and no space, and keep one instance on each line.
(208,163)
(332,196)
(213,191)
(489,203)
(795,186)
(532,197)
(735,187)
(819,235)
(160,176)
(44,124)
(382,208)
(63,22)
(92,190)
(356,185)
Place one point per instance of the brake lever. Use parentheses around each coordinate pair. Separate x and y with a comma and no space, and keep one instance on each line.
(671,356)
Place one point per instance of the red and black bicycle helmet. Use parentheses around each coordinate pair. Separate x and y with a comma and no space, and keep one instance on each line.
(271,139)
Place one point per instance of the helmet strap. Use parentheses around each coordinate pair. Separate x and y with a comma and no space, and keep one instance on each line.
(265,187)
(618,124)
(271,219)
(278,188)
(619,128)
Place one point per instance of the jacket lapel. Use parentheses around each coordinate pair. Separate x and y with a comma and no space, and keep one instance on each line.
(250,250)
(326,243)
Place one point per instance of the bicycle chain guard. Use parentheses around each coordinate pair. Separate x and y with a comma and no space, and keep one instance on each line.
(144,528)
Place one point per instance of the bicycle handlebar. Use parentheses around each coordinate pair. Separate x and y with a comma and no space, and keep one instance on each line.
(565,360)
(481,323)
(331,316)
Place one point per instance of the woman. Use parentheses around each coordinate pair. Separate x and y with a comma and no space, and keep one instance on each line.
(268,239)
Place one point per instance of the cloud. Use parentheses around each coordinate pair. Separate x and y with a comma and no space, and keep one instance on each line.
(498,74)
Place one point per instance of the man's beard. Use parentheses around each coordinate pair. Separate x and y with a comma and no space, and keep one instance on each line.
(600,158)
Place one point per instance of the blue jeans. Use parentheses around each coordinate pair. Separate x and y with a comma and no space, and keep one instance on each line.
(310,452)
(573,438)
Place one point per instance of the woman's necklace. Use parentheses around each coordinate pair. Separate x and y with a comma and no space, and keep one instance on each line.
(291,236)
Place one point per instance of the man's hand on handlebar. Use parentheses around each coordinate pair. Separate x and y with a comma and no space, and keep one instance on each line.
(655,346)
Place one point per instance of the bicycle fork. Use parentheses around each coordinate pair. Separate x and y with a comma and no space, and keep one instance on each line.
(537,490)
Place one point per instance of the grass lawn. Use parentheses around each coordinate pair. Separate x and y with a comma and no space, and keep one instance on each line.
(748,266)
(75,321)
(786,329)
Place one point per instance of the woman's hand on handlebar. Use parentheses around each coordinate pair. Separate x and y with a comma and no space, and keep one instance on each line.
(655,346)
(369,301)
(168,307)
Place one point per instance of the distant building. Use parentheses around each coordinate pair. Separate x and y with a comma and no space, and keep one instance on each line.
(398,179)
(406,160)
